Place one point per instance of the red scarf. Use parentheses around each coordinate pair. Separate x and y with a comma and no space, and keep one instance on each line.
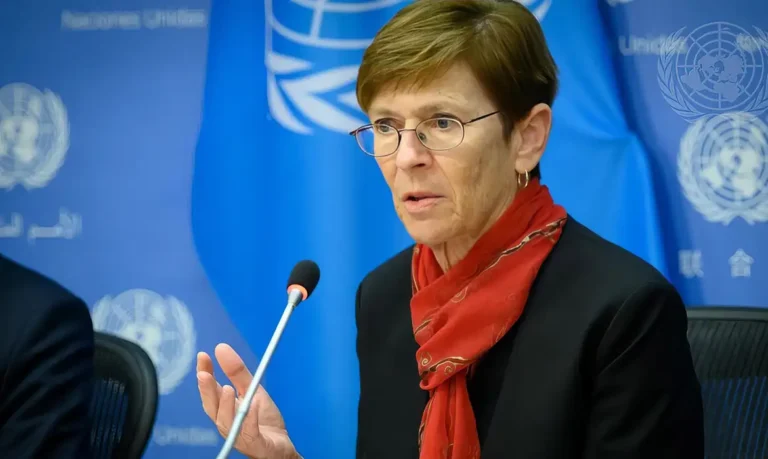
(458,316)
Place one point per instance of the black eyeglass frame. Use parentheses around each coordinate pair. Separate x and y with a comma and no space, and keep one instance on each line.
(400,133)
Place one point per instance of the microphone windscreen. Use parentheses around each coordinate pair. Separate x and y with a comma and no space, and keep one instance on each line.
(306,274)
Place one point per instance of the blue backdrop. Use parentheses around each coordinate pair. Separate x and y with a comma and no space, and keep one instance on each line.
(119,123)
(99,113)
(695,89)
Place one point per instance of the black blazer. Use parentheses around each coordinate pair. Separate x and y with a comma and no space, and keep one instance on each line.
(46,368)
(597,367)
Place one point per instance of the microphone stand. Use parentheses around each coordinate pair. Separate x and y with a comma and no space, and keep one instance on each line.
(294,298)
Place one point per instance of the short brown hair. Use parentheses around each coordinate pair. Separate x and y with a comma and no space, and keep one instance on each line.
(501,42)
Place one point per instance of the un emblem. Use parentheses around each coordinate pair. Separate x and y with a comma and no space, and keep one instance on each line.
(312,65)
(161,326)
(723,167)
(721,71)
(34,136)
(313,51)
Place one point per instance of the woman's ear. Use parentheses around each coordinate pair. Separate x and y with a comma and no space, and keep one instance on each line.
(533,132)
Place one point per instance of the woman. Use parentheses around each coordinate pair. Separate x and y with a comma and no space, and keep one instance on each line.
(508,330)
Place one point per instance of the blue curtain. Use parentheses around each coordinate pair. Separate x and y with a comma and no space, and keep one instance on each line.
(279,180)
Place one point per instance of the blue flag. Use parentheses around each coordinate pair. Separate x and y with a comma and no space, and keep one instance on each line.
(278,179)
(595,164)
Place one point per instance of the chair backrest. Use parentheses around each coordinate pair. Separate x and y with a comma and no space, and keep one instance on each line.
(125,399)
(730,352)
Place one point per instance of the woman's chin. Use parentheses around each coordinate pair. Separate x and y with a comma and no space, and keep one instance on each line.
(431,233)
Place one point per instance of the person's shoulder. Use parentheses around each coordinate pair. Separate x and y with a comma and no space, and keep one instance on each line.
(602,289)
(28,295)
(393,271)
(46,365)
(387,287)
(21,283)
(591,258)
(598,275)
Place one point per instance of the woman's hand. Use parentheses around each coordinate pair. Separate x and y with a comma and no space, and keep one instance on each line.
(263,434)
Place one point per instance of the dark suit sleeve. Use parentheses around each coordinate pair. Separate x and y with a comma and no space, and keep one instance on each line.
(646,400)
(361,408)
(48,386)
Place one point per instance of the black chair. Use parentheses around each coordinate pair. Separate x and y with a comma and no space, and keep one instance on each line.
(125,399)
(730,352)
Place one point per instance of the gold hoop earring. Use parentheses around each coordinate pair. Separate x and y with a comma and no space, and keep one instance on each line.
(527,180)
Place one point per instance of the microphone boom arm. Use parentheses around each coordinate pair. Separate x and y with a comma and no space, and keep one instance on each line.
(295,296)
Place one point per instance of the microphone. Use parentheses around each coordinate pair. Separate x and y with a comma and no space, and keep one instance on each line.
(301,283)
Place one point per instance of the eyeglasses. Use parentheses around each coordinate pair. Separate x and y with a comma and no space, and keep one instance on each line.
(437,134)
